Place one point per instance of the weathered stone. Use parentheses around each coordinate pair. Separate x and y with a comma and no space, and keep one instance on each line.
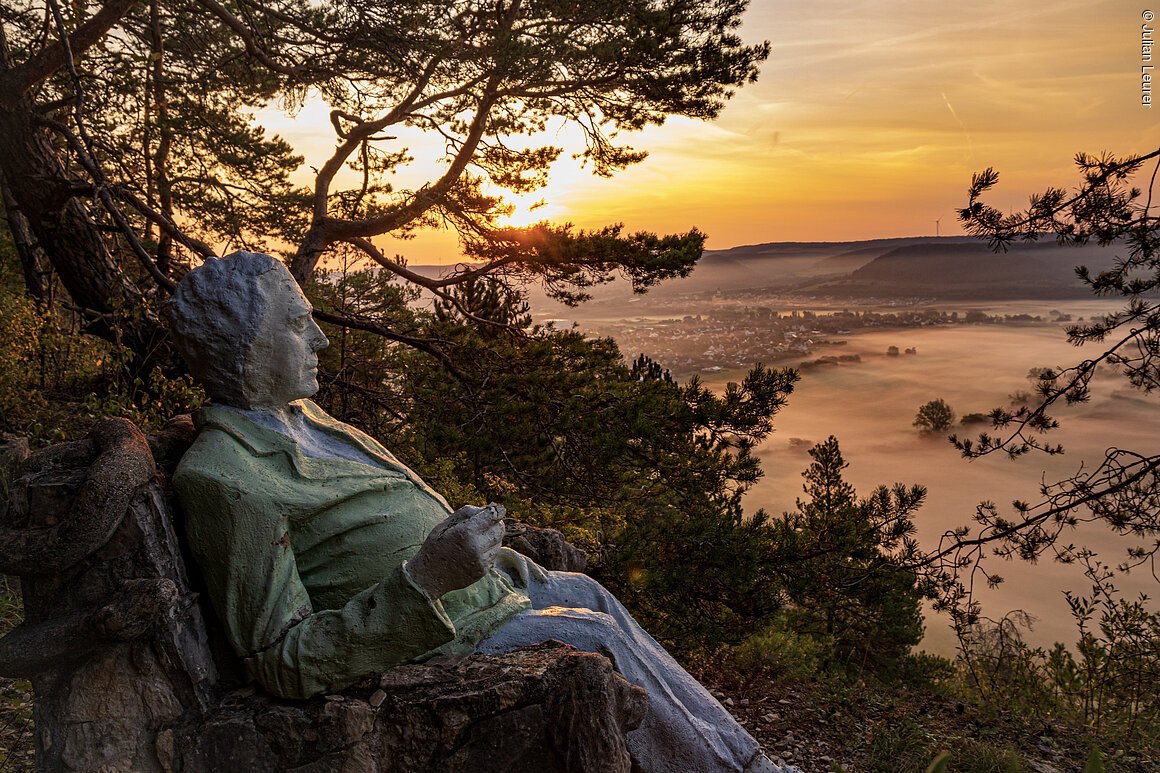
(547,547)
(112,639)
(547,708)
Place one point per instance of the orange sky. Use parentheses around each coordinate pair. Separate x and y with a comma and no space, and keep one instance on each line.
(868,120)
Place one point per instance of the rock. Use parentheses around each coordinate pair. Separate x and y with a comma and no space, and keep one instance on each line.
(1039,766)
(545,708)
(547,547)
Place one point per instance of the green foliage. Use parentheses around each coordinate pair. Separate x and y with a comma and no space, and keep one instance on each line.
(778,654)
(934,416)
(844,565)
(55,383)
(974,756)
(1095,762)
(926,673)
(1110,684)
(899,747)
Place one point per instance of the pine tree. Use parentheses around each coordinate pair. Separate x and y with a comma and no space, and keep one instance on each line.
(846,572)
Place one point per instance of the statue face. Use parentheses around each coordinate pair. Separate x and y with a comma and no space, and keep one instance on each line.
(281,364)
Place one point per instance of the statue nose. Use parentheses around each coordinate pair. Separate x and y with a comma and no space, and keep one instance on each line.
(318,339)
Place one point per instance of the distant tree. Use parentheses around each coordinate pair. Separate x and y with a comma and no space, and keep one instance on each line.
(846,564)
(1020,397)
(975,418)
(934,416)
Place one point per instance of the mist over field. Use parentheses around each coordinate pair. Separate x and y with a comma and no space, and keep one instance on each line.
(869,407)
(868,399)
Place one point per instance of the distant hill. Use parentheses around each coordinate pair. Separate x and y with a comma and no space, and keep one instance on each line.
(773,249)
(951,267)
(972,270)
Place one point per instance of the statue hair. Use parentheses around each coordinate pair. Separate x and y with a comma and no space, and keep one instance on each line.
(215,316)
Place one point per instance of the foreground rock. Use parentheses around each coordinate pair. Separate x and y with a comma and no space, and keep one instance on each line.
(525,710)
(128,676)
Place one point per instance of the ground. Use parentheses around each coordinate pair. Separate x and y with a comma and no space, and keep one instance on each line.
(854,727)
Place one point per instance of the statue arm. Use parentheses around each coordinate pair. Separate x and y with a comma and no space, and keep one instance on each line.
(243,547)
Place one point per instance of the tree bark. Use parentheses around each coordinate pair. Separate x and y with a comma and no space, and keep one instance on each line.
(65,230)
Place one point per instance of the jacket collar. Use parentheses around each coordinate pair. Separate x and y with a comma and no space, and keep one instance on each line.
(263,441)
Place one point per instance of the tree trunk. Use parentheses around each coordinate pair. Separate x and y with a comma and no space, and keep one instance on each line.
(65,230)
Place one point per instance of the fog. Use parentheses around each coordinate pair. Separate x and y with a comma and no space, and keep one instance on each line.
(869,407)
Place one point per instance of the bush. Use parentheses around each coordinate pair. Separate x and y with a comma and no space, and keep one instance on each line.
(927,672)
(981,757)
(55,383)
(777,654)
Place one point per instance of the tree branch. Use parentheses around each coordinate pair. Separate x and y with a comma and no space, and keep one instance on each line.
(246,35)
(425,345)
(20,79)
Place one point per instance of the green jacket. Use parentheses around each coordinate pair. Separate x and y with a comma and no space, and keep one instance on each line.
(303,557)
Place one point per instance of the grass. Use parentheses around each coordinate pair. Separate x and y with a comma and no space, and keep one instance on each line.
(16,737)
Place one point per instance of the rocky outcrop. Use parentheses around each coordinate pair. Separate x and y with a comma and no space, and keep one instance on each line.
(127,676)
(547,547)
(545,708)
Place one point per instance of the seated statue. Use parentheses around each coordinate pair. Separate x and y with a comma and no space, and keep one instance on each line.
(329,560)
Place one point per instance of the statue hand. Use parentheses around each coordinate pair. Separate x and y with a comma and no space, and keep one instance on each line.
(459,550)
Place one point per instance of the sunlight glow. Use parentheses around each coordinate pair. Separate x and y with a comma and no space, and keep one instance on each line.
(862,129)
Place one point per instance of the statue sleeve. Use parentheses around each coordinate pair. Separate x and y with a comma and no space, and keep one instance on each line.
(242,543)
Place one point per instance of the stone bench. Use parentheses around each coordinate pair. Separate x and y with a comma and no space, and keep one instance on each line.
(130,674)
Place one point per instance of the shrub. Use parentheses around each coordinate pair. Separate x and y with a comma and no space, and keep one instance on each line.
(899,747)
(981,757)
(777,654)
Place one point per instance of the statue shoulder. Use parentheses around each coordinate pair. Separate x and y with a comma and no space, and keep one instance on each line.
(216,453)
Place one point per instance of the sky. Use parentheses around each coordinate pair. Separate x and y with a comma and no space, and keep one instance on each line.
(867,121)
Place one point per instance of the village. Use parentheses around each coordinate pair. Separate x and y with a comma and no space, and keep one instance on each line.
(723,337)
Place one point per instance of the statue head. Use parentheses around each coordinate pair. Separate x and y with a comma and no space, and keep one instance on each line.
(246,331)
